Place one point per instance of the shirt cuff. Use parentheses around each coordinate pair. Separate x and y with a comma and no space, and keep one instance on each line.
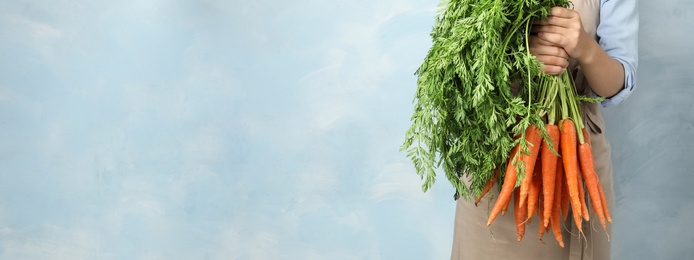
(629,84)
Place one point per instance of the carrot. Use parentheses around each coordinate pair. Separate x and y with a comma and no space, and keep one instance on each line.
(582,197)
(586,136)
(549,171)
(519,213)
(604,204)
(532,135)
(589,176)
(534,144)
(507,188)
(570,159)
(556,205)
(577,218)
(602,193)
(564,195)
(585,156)
(513,152)
(540,207)
(488,186)
(534,193)
(505,208)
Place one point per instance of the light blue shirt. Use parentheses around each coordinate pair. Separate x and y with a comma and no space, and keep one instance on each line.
(618,36)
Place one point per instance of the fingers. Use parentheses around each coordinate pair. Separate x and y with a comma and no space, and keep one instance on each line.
(549,28)
(553,21)
(553,57)
(541,47)
(561,17)
(553,65)
(561,35)
(556,35)
(554,38)
(563,27)
(553,70)
(562,12)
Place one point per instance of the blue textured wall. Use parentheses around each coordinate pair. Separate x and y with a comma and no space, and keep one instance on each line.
(270,130)
(652,144)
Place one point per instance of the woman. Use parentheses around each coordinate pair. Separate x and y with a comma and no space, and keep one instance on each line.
(597,41)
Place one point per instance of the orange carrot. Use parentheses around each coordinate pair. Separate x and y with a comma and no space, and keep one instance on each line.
(570,159)
(582,197)
(532,136)
(540,207)
(513,152)
(556,228)
(604,204)
(585,156)
(564,194)
(534,193)
(534,144)
(519,213)
(505,208)
(549,171)
(488,186)
(509,184)
(586,136)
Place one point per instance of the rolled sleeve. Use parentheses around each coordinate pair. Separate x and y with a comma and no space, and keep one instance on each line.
(618,36)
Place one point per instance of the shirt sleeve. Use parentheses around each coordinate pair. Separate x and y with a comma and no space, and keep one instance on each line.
(618,36)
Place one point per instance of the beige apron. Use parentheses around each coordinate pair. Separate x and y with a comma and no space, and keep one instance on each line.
(473,240)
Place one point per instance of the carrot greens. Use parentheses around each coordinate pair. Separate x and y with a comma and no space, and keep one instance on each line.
(466,111)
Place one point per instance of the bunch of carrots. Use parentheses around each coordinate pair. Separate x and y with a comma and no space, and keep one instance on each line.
(552,173)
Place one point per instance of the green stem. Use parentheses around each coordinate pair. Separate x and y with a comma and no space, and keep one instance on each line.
(550,92)
(562,101)
(552,97)
(515,29)
(574,106)
(543,94)
(527,49)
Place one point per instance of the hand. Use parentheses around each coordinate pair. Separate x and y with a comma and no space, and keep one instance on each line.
(563,28)
(554,57)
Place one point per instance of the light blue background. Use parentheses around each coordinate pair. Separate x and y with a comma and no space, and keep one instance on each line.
(270,130)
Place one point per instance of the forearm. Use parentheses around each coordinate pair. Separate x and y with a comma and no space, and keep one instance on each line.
(604,74)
